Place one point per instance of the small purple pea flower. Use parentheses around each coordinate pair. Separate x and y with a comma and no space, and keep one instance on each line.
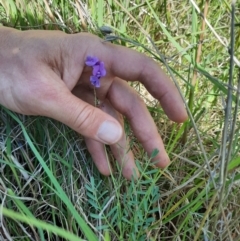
(91,61)
(98,70)
(95,81)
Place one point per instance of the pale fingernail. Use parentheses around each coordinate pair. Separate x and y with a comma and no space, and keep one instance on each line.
(109,132)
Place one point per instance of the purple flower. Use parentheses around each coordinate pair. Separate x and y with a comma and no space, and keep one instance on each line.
(95,81)
(98,70)
(91,61)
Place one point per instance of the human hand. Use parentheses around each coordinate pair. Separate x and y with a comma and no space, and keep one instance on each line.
(44,73)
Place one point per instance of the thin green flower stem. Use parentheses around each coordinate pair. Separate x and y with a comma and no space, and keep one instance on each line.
(226,156)
(235,116)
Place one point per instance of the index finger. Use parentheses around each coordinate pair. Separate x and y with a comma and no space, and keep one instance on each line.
(133,66)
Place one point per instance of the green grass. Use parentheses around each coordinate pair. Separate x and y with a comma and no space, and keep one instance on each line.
(49,187)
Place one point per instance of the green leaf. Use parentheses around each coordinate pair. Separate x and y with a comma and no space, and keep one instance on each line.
(234,163)
(102,227)
(96,216)
(154,153)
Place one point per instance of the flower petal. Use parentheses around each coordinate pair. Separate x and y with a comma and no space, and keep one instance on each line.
(102,69)
(97,84)
(96,70)
(95,81)
(91,61)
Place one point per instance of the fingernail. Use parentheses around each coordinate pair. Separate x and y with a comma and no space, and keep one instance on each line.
(109,132)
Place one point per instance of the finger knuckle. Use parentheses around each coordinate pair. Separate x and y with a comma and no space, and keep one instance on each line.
(84,119)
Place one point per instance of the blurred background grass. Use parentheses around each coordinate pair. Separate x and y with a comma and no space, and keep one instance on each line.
(49,188)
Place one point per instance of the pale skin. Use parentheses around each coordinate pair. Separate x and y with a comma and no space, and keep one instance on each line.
(43,73)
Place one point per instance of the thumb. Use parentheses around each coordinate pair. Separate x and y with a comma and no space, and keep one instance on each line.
(84,118)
